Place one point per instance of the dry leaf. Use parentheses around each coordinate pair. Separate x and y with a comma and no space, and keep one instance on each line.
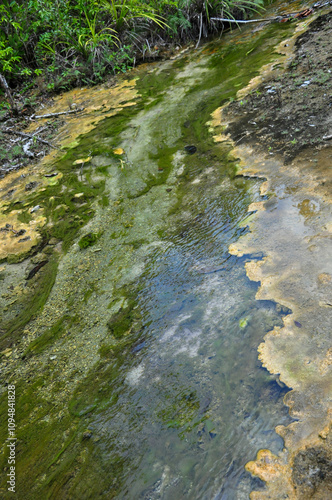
(118,151)
(82,160)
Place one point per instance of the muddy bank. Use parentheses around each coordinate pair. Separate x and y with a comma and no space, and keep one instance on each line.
(291,111)
(280,128)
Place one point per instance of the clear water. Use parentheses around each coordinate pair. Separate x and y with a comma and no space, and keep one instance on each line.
(178,402)
(190,402)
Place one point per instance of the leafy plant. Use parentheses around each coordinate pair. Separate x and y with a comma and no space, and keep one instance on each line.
(62,43)
(124,12)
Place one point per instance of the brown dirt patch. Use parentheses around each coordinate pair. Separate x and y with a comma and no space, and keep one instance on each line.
(293,110)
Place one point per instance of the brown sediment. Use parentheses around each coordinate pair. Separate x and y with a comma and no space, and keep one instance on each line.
(292,229)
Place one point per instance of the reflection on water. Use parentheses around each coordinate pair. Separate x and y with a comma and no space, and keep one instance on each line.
(195,404)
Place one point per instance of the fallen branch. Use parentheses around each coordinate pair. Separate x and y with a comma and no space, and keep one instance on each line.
(286,17)
(50,115)
(244,22)
(21,134)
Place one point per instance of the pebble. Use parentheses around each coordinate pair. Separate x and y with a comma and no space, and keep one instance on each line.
(31,185)
(190,149)
(34,209)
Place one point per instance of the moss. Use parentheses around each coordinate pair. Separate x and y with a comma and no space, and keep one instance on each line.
(24,217)
(136,244)
(86,398)
(88,240)
(181,412)
(104,201)
(51,334)
(33,302)
(120,323)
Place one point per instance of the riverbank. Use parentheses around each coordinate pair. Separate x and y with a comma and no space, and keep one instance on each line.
(281,129)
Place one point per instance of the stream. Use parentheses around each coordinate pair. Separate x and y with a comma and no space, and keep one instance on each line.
(155,325)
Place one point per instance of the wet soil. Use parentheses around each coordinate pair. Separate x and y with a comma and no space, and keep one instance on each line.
(292,111)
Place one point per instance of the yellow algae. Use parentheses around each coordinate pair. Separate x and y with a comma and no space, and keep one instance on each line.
(271,70)
(17,238)
(98,102)
(254,207)
(271,469)
(81,161)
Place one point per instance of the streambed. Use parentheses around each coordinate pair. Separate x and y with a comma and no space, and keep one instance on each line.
(139,378)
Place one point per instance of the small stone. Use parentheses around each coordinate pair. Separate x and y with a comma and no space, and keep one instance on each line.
(20,232)
(325,432)
(324,278)
(87,434)
(190,149)
(53,174)
(34,209)
(31,185)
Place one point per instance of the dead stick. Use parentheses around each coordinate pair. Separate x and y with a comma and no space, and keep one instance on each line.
(200,30)
(49,115)
(245,22)
(277,18)
(14,132)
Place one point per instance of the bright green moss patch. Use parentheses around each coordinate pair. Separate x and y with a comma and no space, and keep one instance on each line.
(88,240)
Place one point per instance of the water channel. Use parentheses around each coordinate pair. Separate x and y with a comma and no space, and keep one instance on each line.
(173,401)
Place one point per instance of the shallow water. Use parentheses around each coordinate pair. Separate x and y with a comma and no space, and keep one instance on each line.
(178,402)
(190,402)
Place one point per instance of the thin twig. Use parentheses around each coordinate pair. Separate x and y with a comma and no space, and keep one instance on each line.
(49,115)
(200,31)
(245,22)
(29,137)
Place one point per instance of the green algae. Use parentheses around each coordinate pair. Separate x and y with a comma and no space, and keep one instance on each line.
(30,304)
(59,328)
(88,240)
(181,412)
(243,322)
